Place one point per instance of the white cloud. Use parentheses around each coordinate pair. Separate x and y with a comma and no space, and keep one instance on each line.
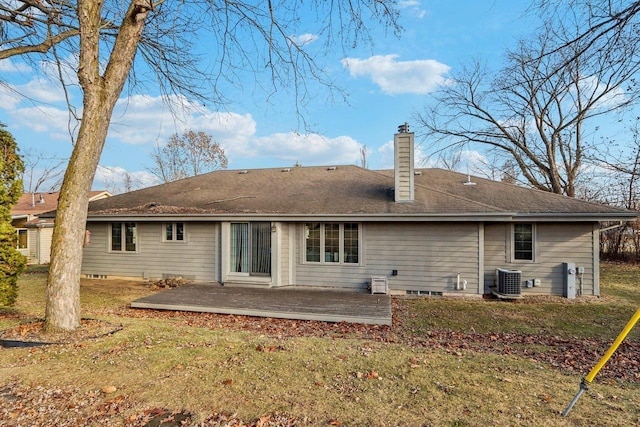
(386,154)
(394,77)
(233,131)
(145,120)
(9,99)
(142,119)
(8,66)
(307,149)
(304,39)
(41,91)
(593,87)
(414,7)
(50,120)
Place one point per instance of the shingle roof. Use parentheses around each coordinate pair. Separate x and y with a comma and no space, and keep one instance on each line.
(37,203)
(343,190)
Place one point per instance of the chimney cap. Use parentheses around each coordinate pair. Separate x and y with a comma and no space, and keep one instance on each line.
(403,128)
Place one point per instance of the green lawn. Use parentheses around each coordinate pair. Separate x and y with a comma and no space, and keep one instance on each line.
(226,365)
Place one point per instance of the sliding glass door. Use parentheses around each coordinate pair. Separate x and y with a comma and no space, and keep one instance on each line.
(251,248)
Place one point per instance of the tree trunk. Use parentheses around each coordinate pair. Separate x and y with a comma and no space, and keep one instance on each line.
(63,290)
(100,96)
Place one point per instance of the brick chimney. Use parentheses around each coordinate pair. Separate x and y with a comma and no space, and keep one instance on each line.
(403,164)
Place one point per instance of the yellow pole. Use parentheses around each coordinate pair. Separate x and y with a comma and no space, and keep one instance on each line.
(594,371)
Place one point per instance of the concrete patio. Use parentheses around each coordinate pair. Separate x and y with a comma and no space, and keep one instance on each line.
(287,303)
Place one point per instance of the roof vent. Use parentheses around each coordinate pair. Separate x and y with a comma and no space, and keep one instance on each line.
(244,172)
(41,201)
(331,168)
(286,170)
(469,182)
(417,172)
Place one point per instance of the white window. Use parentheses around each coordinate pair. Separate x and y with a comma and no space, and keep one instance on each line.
(332,243)
(523,242)
(124,237)
(250,250)
(23,240)
(174,232)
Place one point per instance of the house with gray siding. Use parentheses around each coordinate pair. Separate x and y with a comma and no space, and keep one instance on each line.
(35,233)
(416,231)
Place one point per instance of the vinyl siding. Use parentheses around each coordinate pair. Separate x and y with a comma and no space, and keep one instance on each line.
(44,246)
(195,259)
(39,243)
(555,244)
(284,256)
(32,243)
(428,257)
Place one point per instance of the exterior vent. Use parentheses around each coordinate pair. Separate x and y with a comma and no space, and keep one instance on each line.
(286,170)
(244,172)
(428,293)
(509,283)
(331,168)
(379,285)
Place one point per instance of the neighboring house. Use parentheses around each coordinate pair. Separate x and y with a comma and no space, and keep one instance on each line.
(34,233)
(423,231)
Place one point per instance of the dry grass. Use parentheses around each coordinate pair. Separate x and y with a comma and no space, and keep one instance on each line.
(165,362)
(586,317)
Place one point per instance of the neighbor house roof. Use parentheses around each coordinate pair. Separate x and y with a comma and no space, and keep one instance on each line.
(37,203)
(345,192)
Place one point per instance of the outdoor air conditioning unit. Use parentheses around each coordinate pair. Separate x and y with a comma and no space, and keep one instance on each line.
(379,285)
(509,283)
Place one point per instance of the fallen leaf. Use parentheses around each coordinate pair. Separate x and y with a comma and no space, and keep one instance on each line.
(108,389)
(228,381)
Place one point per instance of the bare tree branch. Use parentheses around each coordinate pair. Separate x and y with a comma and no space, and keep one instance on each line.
(532,110)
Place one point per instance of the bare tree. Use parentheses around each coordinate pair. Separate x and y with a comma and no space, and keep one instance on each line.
(619,185)
(111,38)
(605,28)
(187,155)
(534,111)
(41,170)
(450,160)
(117,180)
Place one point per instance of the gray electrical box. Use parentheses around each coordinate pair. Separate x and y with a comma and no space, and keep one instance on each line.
(570,279)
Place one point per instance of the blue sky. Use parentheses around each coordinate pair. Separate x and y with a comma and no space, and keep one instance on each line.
(386,84)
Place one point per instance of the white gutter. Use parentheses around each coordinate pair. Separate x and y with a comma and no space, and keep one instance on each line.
(613,227)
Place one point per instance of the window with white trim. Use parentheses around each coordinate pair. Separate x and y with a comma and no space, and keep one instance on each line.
(174,232)
(123,236)
(23,238)
(523,242)
(332,243)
